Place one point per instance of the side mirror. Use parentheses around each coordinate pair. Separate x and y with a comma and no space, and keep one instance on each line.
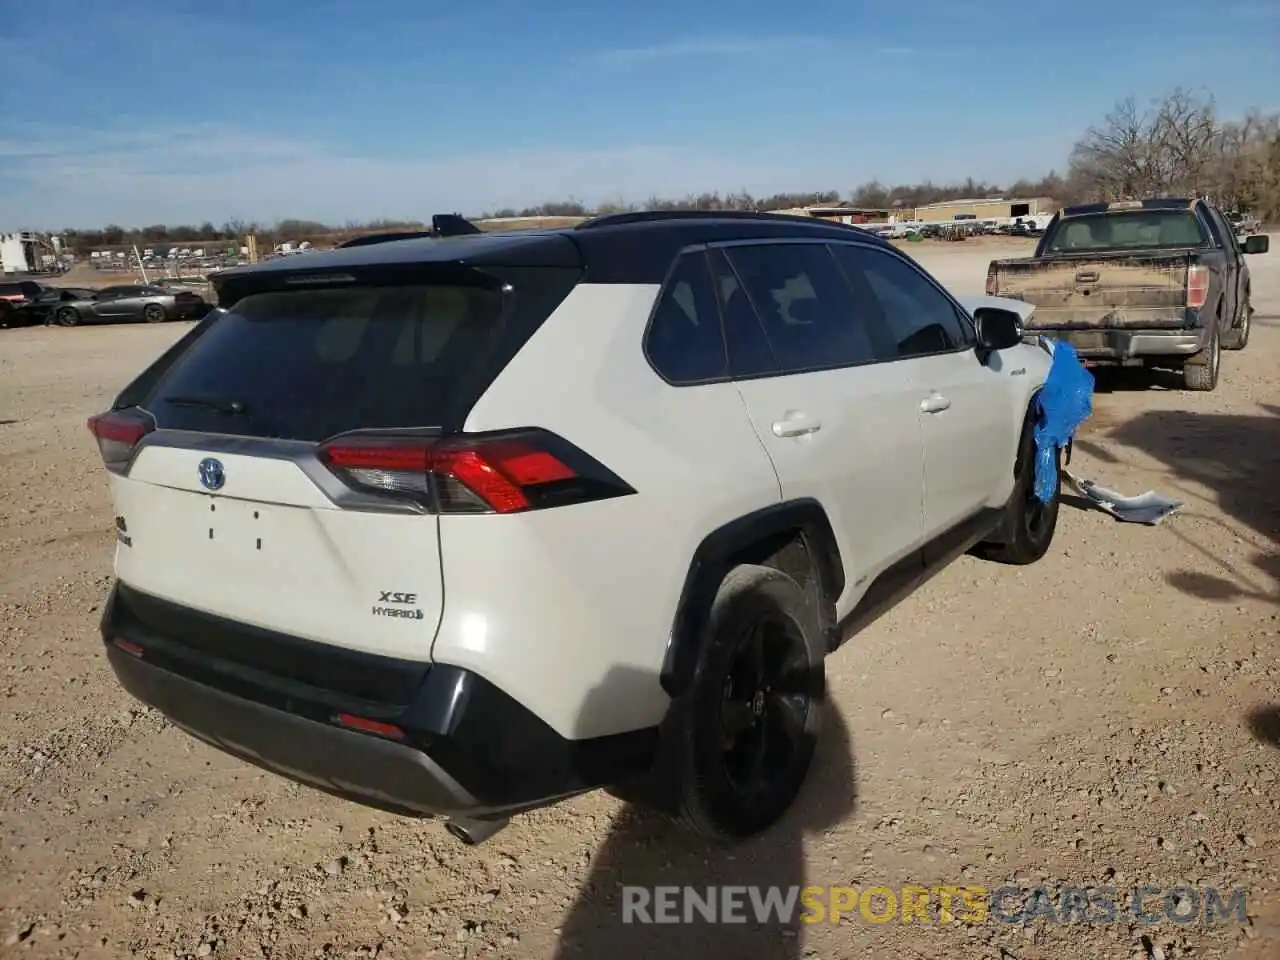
(1257,243)
(997,329)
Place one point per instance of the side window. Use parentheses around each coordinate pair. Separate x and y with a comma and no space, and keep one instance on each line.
(1215,229)
(1223,229)
(920,318)
(684,341)
(805,304)
(748,347)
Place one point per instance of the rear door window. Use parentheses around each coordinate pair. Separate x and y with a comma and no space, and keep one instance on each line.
(749,352)
(684,341)
(308,364)
(804,303)
(920,318)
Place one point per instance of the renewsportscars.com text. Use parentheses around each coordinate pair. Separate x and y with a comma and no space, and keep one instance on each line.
(1144,904)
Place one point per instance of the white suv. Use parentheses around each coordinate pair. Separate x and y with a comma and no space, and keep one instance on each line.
(463,526)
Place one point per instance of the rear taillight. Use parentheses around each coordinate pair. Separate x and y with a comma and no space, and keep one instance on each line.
(1197,286)
(118,433)
(492,473)
(993,282)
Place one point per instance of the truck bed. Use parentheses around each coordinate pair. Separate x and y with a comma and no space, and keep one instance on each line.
(1132,291)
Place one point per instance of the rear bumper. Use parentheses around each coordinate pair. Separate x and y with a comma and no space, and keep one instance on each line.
(1115,345)
(356,766)
(463,747)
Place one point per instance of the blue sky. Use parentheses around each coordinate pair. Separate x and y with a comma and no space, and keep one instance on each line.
(172,111)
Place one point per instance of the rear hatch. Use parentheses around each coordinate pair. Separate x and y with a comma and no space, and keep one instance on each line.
(1076,293)
(228,498)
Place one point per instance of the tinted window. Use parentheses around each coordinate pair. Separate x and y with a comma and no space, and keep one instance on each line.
(1126,231)
(749,352)
(307,364)
(805,304)
(1222,230)
(920,318)
(684,342)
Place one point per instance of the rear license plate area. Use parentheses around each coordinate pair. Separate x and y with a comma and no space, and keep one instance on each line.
(237,527)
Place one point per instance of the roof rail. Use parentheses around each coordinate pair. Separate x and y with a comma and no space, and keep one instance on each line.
(650,216)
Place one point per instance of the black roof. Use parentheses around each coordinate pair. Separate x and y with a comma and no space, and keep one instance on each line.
(620,248)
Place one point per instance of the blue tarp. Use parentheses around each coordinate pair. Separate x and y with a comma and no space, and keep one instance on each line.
(1066,400)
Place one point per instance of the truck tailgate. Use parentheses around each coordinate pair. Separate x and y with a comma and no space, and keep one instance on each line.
(1076,293)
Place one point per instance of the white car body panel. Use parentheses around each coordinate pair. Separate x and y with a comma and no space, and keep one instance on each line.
(569,610)
(865,463)
(271,550)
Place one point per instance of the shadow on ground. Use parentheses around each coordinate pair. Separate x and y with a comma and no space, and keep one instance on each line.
(1134,379)
(1236,458)
(646,850)
(1264,724)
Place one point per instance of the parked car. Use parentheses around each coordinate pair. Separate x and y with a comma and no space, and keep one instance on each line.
(1245,224)
(16,298)
(113,304)
(1160,282)
(464,526)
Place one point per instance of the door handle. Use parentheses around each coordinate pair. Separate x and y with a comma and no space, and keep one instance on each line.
(795,424)
(934,403)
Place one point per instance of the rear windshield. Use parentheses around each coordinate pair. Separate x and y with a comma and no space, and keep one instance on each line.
(22,288)
(308,364)
(1142,229)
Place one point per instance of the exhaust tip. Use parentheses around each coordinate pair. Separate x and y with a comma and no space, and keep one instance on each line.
(472,832)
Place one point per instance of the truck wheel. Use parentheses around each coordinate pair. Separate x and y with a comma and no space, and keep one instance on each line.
(1029,523)
(1200,372)
(738,743)
(1237,338)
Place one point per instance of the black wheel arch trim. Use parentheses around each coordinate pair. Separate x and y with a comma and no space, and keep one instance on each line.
(730,545)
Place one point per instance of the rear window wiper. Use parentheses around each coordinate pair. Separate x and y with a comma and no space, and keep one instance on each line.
(232,407)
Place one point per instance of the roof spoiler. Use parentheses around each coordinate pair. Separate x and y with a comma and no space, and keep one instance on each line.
(442,225)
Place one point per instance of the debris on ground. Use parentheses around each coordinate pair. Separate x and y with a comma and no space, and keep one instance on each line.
(1149,508)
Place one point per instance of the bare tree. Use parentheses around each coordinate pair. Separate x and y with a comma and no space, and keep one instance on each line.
(1179,147)
(1118,159)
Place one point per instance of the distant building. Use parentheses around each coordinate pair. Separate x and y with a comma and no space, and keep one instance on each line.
(19,253)
(837,213)
(990,208)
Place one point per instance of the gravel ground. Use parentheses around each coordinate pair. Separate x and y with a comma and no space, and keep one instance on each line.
(1104,717)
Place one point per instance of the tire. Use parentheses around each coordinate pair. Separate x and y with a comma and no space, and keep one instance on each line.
(738,743)
(1203,376)
(1237,338)
(1029,524)
(67,316)
(154,313)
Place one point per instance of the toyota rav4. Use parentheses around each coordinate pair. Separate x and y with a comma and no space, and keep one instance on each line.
(462,526)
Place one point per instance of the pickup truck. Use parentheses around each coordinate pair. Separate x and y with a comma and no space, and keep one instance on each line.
(1156,283)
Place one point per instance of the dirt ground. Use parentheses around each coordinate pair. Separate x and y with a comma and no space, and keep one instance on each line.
(1108,716)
